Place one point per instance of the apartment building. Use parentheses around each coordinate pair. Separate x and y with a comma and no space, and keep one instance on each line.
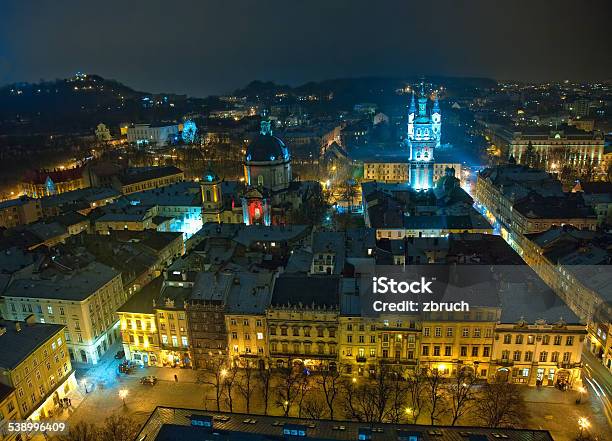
(246,320)
(302,321)
(34,362)
(83,299)
(20,211)
(9,411)
(520,200)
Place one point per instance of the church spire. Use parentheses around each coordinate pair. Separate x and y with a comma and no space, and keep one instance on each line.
(436,105)
(412,104)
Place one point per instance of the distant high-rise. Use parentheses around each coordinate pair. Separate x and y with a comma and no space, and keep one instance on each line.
(424,132)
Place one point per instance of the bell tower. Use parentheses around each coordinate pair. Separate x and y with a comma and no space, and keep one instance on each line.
(423,138)
(212,197)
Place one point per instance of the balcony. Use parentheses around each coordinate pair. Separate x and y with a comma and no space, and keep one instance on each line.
(565,365)
(361,359)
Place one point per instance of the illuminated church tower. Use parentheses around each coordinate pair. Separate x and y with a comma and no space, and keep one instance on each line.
(423,137)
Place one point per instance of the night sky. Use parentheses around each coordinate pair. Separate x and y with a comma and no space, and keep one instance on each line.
(209,47)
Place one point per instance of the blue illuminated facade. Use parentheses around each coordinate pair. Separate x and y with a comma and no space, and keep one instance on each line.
(424,132)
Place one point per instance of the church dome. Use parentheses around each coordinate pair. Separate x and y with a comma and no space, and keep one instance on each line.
(266,147)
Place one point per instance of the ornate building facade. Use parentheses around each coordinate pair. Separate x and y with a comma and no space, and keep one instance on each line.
(424,132)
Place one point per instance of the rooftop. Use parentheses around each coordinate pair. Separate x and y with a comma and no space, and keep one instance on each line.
(91,194)
(166,424)
(140,174)
(309,291)
(184,193)
(74,285)
(250,292)
(142,301)
(20,339)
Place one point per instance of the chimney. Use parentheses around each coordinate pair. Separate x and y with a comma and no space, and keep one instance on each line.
(17,326)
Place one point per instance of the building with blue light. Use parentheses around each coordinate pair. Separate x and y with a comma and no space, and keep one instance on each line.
(424,131)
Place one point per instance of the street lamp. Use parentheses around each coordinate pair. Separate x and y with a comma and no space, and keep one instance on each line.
(354,380)
(581,390)
(583,424)
(122,394)
(223,372)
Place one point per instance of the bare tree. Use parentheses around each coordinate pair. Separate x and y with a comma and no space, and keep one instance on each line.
(265,379)
(397,397)
(367,401)
(82,431)
(118,428)
(434,393)
(329,382)
(461,393)
(500,404)
(229,380)
(288,388)
(246,384)
(358,403)
(415,386)
(314,408)
(213,376)
(304,385)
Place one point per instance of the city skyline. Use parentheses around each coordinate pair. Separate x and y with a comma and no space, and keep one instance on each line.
(204,49)
(350,220)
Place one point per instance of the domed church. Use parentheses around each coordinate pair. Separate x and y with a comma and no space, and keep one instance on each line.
(267,162)
(270,193)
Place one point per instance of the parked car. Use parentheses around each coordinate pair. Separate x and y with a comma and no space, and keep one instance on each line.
(119,355)
(126,367)
(150,380)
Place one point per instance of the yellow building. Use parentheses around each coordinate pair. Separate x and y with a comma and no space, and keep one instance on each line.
(9,411)
(172,327)
(139,327)
(539,353)
(247,338)
(245,319)
(366,343)
(397,172)
(302,321)
(83,300)
(34,361)
(154,325)
(463,340)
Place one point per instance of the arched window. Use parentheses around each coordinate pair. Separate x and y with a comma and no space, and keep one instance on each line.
(208,195)
(260,180)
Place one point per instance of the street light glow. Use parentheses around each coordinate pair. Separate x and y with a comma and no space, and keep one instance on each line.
(123,393)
